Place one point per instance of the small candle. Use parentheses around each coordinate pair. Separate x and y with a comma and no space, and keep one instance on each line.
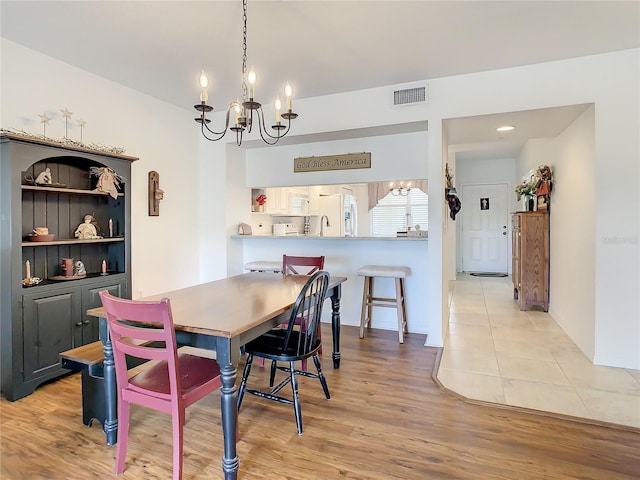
(288,92)
(104,266)
(110,228)
(278,107)
(251,78)
(28,270)
(204,82)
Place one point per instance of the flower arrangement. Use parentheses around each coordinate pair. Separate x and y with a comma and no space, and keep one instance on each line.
(526,189)
(261,199)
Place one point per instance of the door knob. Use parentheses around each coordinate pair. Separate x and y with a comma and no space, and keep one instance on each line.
(504,233)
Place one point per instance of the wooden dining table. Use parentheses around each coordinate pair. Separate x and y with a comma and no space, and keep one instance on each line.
(223,315)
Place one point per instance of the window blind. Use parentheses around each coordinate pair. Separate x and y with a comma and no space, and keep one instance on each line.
(392,213)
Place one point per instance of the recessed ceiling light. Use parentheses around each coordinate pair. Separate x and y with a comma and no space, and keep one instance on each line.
(505,128)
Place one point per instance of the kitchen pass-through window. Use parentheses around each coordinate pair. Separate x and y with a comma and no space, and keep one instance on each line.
(394,213)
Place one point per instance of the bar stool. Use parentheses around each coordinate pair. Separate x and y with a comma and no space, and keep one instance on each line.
(263,266)
(369,272)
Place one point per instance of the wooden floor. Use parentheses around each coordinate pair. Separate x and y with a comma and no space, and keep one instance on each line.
(386,420)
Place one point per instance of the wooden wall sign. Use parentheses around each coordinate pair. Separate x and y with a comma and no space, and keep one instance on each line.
(332,162)
(155,194)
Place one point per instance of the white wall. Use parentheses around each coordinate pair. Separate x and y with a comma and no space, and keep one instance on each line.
(572,232)
(165,250)
(212,200)
(393,157)
(536,152)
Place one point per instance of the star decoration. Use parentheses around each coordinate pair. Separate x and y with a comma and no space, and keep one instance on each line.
(66,113)
(81,123)
(44,119)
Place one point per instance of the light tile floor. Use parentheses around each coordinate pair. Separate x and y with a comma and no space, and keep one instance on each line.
(494,352)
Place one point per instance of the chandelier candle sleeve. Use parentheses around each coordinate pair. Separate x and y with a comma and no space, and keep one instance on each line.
(204,82)
(278,107)
(288,92)
(252,81)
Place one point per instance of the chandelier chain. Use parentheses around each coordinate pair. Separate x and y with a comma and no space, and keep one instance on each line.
(244,50)
(243,113)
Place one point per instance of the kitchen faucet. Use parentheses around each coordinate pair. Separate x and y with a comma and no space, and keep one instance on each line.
(322,224)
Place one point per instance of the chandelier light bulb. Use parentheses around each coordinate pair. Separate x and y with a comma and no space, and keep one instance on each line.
(288,92)
(401,189)
(251,78)
(278,106)
(204,82)
(237,110)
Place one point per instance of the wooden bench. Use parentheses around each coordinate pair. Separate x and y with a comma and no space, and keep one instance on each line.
(87,357)
(89,360)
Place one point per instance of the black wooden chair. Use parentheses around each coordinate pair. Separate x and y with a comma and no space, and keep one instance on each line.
(292,345)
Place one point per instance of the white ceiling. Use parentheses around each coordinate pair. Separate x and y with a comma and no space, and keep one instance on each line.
(320,47)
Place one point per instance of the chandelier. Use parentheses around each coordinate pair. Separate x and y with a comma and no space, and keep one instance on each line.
(401,189)
(246,110)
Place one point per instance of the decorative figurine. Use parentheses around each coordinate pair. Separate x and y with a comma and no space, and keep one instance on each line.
(44,177)
(80,271)
(108,180)
(86,230)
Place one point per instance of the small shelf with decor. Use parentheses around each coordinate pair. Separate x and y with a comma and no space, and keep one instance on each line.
(72,241)
(258,200)
(69,191)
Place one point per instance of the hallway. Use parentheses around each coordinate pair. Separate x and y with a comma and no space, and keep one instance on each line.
(496,353)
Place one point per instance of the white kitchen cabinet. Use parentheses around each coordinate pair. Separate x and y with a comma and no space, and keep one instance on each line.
(277,201)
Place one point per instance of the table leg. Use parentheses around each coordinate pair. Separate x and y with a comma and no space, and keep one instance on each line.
(110,425)
(228,407)
(336,295)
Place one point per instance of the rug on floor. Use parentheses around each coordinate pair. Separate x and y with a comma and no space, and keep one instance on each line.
(487,274)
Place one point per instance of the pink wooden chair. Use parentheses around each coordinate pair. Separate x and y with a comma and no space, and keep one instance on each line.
(310,265)
(172,380)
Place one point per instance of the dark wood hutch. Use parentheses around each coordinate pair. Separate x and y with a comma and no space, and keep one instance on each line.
(38,322)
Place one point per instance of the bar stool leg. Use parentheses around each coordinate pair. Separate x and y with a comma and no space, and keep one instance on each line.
(402,319)
(365,314)
(404,306)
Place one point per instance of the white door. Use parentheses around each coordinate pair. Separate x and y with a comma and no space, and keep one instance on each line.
(485,233)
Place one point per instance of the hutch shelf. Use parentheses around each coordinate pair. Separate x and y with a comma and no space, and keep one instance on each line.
(37,322)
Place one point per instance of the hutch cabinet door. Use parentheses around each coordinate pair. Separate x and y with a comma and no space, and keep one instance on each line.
(48,321)
(91,299)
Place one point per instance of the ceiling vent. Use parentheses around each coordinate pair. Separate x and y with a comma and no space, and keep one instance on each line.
(409,96)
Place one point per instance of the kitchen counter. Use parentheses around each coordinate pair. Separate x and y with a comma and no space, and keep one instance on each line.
(344,256)
(318,237)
